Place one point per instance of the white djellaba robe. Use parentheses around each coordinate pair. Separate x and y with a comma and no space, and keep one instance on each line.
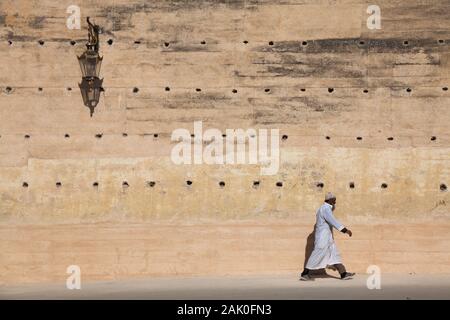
(325,252)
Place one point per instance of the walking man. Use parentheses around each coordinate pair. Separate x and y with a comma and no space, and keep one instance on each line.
(325,252)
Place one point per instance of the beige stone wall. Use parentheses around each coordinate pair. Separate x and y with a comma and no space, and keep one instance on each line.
(112,231)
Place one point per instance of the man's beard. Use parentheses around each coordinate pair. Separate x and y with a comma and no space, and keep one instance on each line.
(333,207)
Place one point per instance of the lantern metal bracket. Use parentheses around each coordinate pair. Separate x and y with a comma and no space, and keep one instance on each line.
(93,32)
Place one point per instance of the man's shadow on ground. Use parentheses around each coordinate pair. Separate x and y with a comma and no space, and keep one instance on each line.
(320,273)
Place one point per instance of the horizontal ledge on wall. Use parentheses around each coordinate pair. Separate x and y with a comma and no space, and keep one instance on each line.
(285,45)
(255,185)
(14,90)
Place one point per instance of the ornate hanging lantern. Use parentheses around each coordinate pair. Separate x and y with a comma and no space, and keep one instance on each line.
(90,63)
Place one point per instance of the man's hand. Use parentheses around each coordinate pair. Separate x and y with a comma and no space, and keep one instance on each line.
(349,232)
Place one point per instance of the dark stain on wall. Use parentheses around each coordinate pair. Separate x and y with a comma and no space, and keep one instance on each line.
(288,106)
(317,70)
(174,5)
(36,22)
(314,104)
(187,101)
(120,16)
(349,45)
(13,37)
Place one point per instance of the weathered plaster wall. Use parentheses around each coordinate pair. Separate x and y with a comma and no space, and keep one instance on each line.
(116,231)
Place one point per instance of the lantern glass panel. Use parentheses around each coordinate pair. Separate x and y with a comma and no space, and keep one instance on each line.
(90,91)
(90,63)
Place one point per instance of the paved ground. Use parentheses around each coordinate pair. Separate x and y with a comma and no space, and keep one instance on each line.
(252,287)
